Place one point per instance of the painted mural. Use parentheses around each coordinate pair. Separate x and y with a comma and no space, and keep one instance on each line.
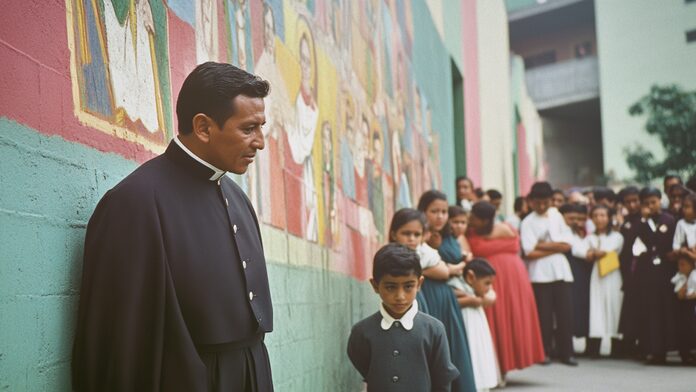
(347,126)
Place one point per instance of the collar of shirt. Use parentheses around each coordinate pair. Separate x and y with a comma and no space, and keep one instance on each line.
(217,173)
(406,320)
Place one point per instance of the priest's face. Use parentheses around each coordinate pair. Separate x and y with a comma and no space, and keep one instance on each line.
(233,147)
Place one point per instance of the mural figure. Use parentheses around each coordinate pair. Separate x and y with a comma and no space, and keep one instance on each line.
(206,31)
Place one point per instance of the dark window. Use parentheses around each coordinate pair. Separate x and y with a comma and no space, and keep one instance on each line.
(691,36)
(583,50)
(689,1)
(537,60)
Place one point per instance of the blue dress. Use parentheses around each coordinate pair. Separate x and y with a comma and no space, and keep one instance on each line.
(437,299)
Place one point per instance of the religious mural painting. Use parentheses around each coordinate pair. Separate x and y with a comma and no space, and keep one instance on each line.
(349,136)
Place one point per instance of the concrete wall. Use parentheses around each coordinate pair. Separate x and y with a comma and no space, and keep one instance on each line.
(639,45)
(75,119)
(495,98)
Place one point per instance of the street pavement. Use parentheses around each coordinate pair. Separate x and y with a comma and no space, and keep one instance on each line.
(604,375)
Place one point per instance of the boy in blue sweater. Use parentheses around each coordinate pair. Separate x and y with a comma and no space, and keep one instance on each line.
(400,348)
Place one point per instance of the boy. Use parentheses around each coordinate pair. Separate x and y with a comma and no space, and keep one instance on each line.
(628,324)
(545,238)
(400,348)
(496,198)
(654,269)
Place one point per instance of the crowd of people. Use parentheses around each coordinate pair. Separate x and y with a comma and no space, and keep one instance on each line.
(589,272)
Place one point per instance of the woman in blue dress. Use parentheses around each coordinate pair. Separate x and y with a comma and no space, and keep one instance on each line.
(439,297)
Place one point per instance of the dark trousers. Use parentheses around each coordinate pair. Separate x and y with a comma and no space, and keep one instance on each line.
(555,302)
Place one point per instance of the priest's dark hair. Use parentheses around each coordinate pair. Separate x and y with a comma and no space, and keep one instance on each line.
(395,260)
(210,89)
(480,267)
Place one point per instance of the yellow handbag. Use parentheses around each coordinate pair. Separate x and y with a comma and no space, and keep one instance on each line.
(608,264)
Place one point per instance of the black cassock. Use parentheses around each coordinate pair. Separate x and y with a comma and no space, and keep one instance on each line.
(175,292)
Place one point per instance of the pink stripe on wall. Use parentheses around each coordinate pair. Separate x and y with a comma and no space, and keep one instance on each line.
(472,114)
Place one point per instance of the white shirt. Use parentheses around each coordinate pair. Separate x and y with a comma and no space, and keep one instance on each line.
(550,228)
(217,172)
(685,232)
(406,320)
(429,257)
(612,242)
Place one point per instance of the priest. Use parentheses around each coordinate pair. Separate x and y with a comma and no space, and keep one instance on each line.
(175,293)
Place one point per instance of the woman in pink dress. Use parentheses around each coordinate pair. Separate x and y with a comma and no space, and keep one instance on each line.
(513,319)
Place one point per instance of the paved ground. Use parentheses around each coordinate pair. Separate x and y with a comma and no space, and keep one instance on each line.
(604,375)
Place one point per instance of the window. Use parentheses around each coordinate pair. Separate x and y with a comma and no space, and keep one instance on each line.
(537,60)
(691,36)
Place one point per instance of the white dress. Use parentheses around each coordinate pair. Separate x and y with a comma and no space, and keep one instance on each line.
(606,296)
(484,362)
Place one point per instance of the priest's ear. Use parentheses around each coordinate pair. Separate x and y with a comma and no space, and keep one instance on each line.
(202,126)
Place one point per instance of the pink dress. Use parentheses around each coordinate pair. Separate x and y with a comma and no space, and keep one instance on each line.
(513,318)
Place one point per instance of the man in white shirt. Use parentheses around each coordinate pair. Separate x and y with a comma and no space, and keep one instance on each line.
(545,238)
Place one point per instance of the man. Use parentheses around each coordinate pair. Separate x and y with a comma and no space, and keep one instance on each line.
(175,292)
(545,239)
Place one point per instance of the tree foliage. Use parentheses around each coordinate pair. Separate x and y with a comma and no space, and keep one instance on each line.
(671,116)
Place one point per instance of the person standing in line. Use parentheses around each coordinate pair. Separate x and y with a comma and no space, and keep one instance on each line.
(654,269)
(400,348)
(174,293)
(513,318)
(545,238)
(605,290)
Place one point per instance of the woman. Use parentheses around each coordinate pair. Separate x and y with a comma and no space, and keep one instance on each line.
(465,192)
(513,318)
(439,297)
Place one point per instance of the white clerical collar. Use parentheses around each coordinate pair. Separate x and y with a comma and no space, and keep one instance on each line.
(406,320)
(217,172)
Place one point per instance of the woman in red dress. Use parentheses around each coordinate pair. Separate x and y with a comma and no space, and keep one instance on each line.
(513,319)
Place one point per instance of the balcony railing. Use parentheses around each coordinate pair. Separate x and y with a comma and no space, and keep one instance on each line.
(563,83)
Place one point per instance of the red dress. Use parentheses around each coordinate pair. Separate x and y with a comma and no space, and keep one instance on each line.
(513,318)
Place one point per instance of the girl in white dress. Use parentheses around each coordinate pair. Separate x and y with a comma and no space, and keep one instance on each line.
(478,278)
(606,296)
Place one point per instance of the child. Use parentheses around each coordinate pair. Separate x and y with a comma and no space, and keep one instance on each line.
(458,222)
(605,291)
(545,238)
(408,227)
(654,269)
(685,287)
(478,278)
(400,348)
(575,216)
(630,308)
(685,234)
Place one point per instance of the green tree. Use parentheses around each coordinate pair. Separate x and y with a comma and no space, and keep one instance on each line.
(671,116)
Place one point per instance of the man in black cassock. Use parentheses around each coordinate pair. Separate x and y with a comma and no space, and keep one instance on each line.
(175,291)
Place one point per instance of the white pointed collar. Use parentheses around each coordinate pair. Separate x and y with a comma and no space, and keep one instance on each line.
(406,320)
(217,173)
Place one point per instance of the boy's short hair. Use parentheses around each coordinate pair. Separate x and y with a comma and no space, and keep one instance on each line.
(480,267)
(604,193)
(494,194)
(628,191)
(395,260)
(648,192)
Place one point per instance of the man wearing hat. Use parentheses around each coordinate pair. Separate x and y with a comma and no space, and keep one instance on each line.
(545,238)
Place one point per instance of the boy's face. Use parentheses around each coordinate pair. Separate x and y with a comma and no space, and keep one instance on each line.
(496,203)
(558,200)
(652,205)
(458,224)
(688,211)
(397,292)
(540,206)
(632,204)
(482,285)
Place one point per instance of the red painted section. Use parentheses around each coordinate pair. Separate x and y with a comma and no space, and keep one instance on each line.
(182,60)
(472,112)
(524,166)
(36,83)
